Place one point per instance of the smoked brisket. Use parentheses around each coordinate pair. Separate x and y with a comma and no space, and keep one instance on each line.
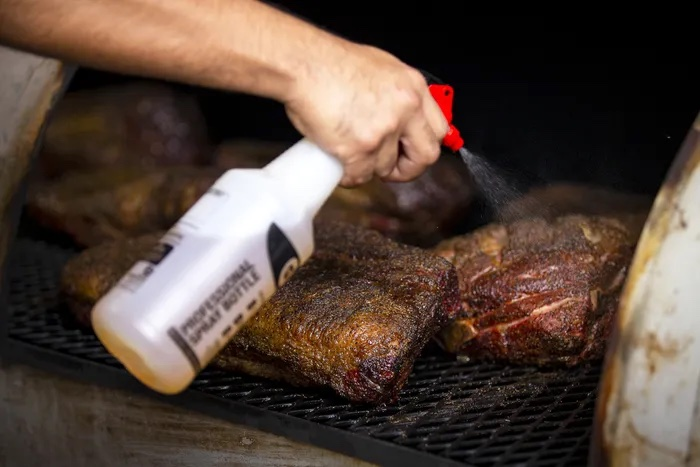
(539,292)
(353,318)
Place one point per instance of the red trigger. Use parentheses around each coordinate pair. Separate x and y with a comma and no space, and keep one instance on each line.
(443,95)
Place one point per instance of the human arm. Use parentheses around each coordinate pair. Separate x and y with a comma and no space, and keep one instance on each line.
(355,101)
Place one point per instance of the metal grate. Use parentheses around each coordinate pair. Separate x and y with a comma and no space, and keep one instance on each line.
(476,414)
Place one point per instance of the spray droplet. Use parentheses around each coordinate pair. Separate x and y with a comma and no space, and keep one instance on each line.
(493,185)
(498,191)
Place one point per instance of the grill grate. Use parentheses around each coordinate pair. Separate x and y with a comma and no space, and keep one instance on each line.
(477,414)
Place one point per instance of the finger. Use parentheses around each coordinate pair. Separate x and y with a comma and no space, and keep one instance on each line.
(436,119)
(358,172)
(405,170)
(420,148)
(387,155)
(419,143)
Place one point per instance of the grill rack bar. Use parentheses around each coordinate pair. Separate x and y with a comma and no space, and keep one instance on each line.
(449,413)
(235,412)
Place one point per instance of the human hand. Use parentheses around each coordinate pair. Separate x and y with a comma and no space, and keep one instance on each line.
(370,110)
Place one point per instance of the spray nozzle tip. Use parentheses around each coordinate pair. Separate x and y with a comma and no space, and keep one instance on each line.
(453,139)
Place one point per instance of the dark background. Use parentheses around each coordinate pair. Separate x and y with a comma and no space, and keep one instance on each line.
(560,98)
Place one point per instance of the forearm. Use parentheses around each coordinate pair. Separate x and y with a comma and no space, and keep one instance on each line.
(235,45)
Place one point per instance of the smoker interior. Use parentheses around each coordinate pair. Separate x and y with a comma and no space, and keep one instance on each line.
(470,413)
(603,115)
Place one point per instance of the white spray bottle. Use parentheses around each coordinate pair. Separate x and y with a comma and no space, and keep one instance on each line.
(175,309)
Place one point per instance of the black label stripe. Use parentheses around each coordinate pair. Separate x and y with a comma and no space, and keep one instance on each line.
(186,349)
(280,250)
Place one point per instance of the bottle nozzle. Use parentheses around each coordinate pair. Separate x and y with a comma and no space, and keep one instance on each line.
(453,139)
(309,174)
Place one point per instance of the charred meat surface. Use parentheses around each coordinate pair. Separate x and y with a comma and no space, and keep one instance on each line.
(536,291)
(139,124)
(97,206)
(353,318)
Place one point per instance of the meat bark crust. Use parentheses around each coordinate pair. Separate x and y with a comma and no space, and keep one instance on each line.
(108,204)
(353,318)
(139,124)
(538,292)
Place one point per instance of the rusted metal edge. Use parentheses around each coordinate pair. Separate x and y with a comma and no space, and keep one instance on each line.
(31,87)
(644,413)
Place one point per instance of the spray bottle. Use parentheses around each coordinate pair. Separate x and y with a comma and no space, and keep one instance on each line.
(176,308)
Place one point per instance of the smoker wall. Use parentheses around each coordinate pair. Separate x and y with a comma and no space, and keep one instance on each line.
(545,98)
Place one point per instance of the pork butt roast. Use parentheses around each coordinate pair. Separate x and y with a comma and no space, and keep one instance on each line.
(539,291)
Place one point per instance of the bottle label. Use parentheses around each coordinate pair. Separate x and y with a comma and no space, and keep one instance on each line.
(209,325)
(222,311)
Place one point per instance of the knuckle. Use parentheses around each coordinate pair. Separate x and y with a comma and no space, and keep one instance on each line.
(357,180)
(410,99)
(347,183)
(391,126)
(417,77)
(369,139)
(348,156)
(342,152)
(365,179)
(350,181)
(357,173)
